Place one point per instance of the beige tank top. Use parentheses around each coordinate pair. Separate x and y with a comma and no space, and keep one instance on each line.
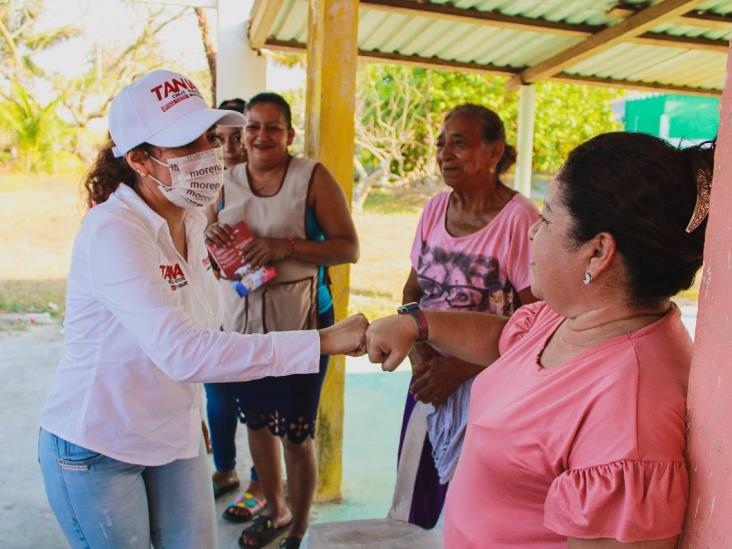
(289,301)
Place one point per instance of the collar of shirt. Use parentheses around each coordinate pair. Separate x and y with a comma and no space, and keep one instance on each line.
(194,219)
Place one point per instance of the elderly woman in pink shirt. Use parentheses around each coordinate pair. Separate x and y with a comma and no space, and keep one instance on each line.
(470,253)
(575,433)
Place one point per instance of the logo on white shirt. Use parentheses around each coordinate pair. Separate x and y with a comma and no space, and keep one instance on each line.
(174,276)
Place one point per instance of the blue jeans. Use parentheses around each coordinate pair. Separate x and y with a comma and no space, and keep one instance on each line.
(222,420)
(102,502)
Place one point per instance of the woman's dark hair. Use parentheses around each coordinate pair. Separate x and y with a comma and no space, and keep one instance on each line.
(108,172)
(492,130)
(274,99)
(642,190)
(237,104)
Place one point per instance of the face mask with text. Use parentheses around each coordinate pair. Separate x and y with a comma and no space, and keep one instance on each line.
(195,178)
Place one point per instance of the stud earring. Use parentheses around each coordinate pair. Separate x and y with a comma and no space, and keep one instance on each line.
(587,279)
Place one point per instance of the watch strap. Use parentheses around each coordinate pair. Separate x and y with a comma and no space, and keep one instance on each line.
(413,310)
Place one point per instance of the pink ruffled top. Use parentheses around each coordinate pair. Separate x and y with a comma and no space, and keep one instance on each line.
(592,448)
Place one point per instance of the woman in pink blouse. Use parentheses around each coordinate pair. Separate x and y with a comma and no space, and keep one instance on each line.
(575,433)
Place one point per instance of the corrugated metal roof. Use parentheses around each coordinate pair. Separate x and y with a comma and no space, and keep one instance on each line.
(686,53)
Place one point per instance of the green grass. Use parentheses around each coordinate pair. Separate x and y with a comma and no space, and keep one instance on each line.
(385,202)
(33,296)
(378,278)
(39,216)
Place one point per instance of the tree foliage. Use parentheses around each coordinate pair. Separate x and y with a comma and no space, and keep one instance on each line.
(400,110)
(36,124)
(109,67)
(37,130)
(21,41)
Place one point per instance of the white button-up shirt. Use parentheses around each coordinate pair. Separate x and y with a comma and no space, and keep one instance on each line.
(141,333)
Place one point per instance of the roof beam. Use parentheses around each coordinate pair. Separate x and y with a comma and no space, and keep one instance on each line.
(496,19)
(410,60)
(448,12)
(634,85)
(629,28)
(701,19)
(683,42)
(443,64)
(261,20)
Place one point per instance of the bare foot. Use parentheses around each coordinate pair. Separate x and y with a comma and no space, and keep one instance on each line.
(225,478)
(248,505)
(255,488)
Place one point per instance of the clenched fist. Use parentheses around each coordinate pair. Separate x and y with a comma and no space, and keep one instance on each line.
(347,337)
(388,340)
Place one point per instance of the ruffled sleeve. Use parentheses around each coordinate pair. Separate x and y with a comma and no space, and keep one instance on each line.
(625,500)
(519,325)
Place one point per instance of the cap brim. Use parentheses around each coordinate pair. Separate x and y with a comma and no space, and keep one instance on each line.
(190,127)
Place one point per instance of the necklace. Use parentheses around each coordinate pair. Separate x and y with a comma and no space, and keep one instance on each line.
(263,189)
(639,319)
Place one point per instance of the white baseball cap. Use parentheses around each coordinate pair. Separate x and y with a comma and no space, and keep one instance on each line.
(165,109)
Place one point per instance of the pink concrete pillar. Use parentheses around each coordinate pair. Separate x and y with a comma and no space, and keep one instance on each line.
(709,514)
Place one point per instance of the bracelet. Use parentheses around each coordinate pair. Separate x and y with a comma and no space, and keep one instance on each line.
(292,247)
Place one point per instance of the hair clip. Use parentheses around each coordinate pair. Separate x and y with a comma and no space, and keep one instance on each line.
(703,192)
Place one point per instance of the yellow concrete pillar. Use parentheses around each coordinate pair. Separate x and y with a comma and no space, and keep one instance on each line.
(329,135)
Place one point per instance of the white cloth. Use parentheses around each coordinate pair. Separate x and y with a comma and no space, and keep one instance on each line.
(446,426)
(142,325)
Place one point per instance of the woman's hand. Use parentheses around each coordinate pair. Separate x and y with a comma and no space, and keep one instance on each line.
(389,340)
(438,377)
(260,251)
(219,234)
(347,337)
(421,352)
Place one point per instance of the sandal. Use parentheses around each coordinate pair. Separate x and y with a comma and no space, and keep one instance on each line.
(244,508)
(290,542)
(221,489)
(260,533)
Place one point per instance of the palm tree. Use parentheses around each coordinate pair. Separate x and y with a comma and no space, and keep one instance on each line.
(37,132)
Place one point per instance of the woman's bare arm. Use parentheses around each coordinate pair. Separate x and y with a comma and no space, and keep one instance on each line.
(469,336)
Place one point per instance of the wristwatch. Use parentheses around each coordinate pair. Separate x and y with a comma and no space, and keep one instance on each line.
(416,313)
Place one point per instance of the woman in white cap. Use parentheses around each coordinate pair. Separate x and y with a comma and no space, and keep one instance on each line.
(120,445)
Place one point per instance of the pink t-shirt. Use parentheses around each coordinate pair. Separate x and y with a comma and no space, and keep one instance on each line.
(592,448)
(482,271)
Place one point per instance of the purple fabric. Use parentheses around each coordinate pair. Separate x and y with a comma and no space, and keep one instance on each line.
(429,494)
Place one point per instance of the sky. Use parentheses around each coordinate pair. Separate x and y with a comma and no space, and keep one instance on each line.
(111,21)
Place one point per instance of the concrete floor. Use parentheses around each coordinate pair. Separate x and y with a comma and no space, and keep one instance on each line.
(27,363)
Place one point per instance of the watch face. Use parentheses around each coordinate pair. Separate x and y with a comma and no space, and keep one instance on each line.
(407,307)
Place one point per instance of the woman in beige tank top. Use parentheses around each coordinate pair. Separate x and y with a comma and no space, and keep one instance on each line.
(301,218)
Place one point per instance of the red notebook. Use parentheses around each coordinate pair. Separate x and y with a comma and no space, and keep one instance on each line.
(229,258)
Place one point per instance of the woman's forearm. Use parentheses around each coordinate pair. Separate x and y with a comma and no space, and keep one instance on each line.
(472,337)
(469,336)
(333,251)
